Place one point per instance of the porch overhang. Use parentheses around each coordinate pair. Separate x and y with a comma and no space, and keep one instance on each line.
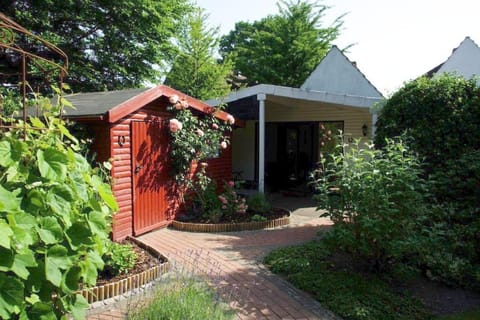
(251,103)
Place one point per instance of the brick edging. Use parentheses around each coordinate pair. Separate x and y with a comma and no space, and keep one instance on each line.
(132,282)
(229,227)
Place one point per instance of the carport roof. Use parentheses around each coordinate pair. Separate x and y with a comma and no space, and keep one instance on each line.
(299,94)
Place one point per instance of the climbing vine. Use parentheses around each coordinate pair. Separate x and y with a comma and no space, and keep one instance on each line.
(195,138)
(55,213)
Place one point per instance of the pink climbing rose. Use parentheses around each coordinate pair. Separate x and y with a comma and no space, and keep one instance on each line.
(215,126)
(222,199)
(223,144)
(173,99)
(175,125)
(231,184)
(199,132)
(230,119)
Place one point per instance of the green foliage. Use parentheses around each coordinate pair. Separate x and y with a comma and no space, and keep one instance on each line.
(119,258)
(182,299)
(204,198)
(448,250)
(232,204)
(110,44)
(259,218)
(348,294)
(195,70)
(55,213)
(258,203)
(468,315)
(205,201)
(441,117)
(281,49)
(374,197)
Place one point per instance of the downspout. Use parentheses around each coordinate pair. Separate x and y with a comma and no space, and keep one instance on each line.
(261,97)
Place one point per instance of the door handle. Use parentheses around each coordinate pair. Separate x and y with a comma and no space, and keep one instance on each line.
(138,168)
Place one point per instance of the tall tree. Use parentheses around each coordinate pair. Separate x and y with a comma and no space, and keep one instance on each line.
(110,44)
(195,69)
(282,49)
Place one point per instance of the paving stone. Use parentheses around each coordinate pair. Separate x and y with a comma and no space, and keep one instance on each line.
(232,264)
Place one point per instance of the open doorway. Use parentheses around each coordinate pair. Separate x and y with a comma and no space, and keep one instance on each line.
(292,150)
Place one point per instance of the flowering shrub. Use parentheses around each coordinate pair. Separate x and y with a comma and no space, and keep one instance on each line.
(232,204)
(195,138)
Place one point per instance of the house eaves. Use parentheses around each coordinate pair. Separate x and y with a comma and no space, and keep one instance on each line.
(299,94)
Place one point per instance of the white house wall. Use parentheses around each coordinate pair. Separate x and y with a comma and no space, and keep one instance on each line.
(243,152)
(353,118)
(464,61)
(336,74)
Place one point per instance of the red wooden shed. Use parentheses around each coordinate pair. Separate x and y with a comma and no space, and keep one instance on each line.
(130,129)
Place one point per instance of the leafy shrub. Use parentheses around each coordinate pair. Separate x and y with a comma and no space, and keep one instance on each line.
(449,251)
(119,258)
(182,299)
(457,181)
(258,203)
(55,215)
(232,203)
(374,197)
(259,218)
(441,117)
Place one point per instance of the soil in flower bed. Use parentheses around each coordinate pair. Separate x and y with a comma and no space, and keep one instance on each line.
(145,260)
(274,213)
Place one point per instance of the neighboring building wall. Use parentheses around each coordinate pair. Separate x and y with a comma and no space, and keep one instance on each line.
(243,155)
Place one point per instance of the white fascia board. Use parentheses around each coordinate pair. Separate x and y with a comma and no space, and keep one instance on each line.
(300,94)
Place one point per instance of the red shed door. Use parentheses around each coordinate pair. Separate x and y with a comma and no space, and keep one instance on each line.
(150,176)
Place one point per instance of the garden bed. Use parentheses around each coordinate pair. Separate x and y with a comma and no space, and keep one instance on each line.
(276,218)
(150,265)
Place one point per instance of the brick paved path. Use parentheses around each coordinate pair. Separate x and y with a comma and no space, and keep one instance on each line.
(233,262)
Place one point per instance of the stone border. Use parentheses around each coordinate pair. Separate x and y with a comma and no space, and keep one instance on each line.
(229,227)
(135,281)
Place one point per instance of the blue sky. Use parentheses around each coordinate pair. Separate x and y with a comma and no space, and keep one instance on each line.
(395,41)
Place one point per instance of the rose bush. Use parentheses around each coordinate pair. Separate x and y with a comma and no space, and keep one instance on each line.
(195,137)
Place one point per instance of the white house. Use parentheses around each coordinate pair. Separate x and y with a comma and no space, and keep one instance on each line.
(464,61)
(281,140)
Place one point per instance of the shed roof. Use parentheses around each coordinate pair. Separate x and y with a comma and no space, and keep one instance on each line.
(464,61)
(114,105)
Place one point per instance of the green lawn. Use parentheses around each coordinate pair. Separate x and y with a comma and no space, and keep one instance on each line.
(346,293)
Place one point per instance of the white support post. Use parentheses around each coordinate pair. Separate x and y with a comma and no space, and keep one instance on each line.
(374,127)
(261,97)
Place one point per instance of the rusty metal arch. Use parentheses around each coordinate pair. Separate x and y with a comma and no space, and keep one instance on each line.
(10,32)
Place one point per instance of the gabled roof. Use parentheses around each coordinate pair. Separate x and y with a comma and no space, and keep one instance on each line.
(336,74)
(464,61)
(114,105)
(335,80)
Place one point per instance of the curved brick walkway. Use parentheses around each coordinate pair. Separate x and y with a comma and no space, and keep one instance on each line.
(232,261)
